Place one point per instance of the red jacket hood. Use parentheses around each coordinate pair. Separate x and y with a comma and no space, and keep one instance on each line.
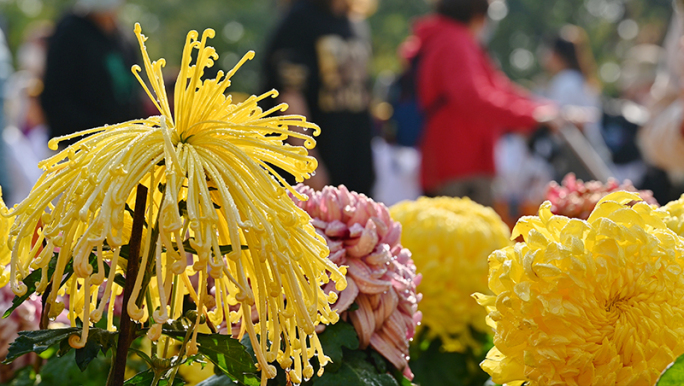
(434,26)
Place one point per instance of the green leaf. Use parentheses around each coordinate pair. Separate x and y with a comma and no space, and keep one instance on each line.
(64,371)
(120,280)
(141,379)
(356,369)
(401,379)
(379,361)
(64,348)
(47,354)
(86,354)
(42,340)
(146,377)
(384,366)
(225,249)
(198,358)
(226,353)
(217,380)
(335,337)
(433,366)
(673,375)
(281,377)
(37,341)
(104,339)
(142,355)
(31,281)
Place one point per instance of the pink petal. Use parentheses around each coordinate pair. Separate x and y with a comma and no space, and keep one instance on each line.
(378,271)
(393,235)
(334,245)
(355,230)
(339,257)
(362,276)
(404,256)
(385,346)
(389,303)
(408,373)
(317,223)
(367,241)
(382,226)
(380,256)
(396,330)
(363,321)
(336,229)
(346,297)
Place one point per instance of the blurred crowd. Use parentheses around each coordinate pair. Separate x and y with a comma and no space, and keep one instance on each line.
(449,124)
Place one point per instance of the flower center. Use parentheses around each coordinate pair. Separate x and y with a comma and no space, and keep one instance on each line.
(615,304)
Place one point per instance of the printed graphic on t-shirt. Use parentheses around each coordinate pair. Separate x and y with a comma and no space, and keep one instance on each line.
(293,76)
(343,66)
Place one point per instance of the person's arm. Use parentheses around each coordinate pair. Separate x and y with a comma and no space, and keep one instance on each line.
(469,80)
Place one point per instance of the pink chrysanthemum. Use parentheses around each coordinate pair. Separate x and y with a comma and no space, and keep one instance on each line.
(25,318)
(577,199)
(381,277)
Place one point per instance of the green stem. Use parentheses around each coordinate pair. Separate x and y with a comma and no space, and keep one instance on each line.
(148,298)
(157,377)
(173,309)
(181,353)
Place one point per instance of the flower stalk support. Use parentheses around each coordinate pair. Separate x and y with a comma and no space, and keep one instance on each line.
(126,333)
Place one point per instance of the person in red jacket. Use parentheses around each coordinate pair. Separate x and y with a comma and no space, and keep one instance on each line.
(468,103)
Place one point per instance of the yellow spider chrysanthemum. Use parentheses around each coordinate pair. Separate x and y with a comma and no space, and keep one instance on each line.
(450,239)
(597,302)
(210,173)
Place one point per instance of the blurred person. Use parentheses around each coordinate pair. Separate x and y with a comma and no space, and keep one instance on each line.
(5,72)
(26,84)
(570,63)
(622,118)
(318,59)
(88,79)
(639,72)
(26,134)
(469,100)
(661,139)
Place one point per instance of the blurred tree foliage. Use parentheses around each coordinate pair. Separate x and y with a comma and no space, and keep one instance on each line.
(240,26)
(613,26)
(243,25)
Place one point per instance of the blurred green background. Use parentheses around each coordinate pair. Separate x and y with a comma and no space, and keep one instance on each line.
(519,29)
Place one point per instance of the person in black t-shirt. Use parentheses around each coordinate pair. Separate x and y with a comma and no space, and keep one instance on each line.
(318,59)
(88,79)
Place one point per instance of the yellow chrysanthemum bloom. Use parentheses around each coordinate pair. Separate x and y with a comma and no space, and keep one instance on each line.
(597,302)
(675,215)
(210,173)
(450,239)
